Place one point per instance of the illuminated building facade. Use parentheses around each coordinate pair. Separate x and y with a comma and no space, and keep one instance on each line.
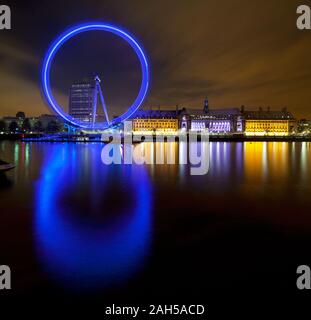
(304,127)
(155,121)
(268,123)
(216,121)
(81,100)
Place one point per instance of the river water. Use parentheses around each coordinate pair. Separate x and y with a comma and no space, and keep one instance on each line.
(71,224)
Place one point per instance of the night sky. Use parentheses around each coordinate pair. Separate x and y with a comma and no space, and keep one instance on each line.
(236,52)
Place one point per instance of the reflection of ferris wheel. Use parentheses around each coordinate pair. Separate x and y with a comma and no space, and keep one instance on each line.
(93,125)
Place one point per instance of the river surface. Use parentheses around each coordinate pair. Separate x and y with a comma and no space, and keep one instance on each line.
(71,225)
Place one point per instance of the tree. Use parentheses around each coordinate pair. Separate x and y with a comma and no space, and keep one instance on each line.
(13,126)
(2,125)
(38,126)
(20,115)
(53,127)
(26,125)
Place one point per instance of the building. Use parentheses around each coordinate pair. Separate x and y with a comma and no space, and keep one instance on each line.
(217,121)
(304,127)
(81,99)
(8,120)
(49,120)
(235,120)
(267,122)
(32,124)
(155,121)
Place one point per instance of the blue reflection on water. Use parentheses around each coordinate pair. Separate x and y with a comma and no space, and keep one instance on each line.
(79,252)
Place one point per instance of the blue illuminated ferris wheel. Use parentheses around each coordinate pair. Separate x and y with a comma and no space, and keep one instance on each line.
(95,26)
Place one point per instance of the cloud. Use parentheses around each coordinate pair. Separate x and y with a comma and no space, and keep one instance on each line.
(235,52)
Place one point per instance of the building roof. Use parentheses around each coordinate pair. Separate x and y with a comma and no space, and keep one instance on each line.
(268,115)
(155,114)
(215,112)
(192,112)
